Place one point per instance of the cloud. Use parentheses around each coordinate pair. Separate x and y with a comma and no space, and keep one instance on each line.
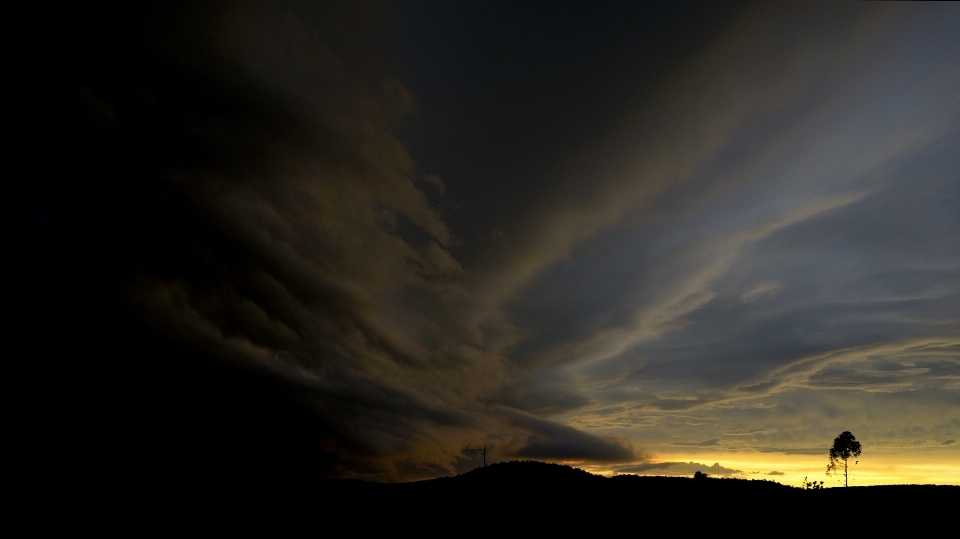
(541,439)
(694,298)
(435,181)
(268,216)
(744,430)
(888,367)
(706,443)
(761,291)
(547,393)
(678,468)
(776,473)
(790,450)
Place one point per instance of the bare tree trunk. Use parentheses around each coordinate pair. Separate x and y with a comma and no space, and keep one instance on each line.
(845,484)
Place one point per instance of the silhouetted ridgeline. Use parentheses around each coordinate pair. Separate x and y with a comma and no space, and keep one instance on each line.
(517,488)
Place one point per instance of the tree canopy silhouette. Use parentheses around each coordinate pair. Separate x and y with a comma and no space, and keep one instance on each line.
(844,448)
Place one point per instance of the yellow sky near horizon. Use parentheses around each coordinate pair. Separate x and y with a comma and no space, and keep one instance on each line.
(882,466)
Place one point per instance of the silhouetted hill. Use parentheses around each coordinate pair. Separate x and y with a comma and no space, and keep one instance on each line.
(555,483)
(537,497)
(552,480)
(520,486)
(527,472)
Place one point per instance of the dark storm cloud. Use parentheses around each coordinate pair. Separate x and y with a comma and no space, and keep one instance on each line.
(546,440)
(241,167)
(243,171)
(548,393)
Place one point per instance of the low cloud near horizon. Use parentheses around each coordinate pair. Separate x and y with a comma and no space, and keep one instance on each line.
(678,468)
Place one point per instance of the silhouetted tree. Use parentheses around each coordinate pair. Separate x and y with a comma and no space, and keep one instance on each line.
(699,475)
(844,448)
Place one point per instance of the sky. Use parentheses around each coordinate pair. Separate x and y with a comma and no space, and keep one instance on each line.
(630,237)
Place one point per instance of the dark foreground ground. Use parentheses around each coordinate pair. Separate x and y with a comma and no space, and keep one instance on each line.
(525,489)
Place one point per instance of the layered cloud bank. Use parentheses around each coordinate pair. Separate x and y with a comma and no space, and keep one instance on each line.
(749,245)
